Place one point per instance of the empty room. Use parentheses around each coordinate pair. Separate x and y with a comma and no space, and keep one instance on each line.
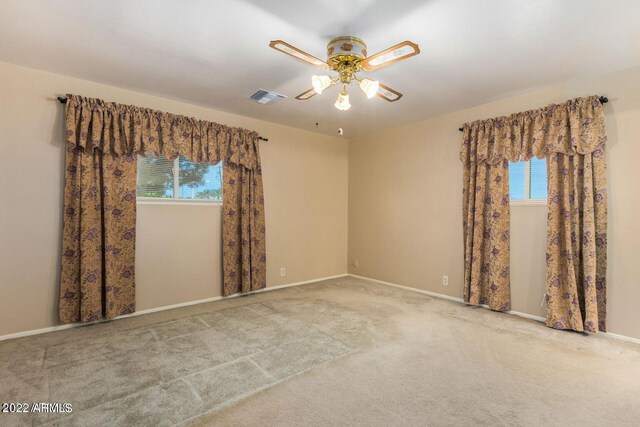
(319,213)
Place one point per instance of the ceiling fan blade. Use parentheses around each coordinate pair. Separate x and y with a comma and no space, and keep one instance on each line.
(388,94)
(396,53)
(297,53)
(306,95)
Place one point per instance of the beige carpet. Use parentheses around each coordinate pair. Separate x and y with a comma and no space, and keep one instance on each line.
(339,352)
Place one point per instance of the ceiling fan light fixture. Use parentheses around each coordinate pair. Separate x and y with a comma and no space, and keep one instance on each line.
(320,83)
(369,87)
(347,56)
(343,101)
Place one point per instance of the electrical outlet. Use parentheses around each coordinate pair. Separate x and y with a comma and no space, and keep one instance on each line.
(356,263)
(283,272)
(445,280)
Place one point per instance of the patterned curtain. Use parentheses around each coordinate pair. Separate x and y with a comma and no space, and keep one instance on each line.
(486,228)
(577,240)
(244,252)
(103,141)
(572,137)
(244,257)
(98,244)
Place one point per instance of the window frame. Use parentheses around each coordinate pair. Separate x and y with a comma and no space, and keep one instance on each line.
(527,201)
(175,200)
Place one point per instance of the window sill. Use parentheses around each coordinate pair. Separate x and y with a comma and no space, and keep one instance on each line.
(530,202)
(182,202)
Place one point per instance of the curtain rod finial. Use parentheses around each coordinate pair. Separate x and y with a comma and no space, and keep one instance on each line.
(62,99)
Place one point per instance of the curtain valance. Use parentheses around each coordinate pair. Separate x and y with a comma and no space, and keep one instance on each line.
(573,127)
(123,130)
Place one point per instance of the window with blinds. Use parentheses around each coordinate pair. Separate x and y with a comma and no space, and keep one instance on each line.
(180,179)
(528,181)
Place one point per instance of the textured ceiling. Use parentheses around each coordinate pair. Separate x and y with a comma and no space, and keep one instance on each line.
(216,54)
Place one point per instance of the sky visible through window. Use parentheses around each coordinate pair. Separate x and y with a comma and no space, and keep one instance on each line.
(210,188)
(538,180)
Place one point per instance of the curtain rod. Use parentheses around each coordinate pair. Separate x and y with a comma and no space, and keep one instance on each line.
(603,100)
(63,100)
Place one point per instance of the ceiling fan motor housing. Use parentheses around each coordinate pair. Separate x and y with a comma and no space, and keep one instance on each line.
(346,48)
(344,55)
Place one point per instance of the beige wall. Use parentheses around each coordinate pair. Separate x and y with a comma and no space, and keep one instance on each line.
(528,256)
(404,218)
(178,247)
(405,184)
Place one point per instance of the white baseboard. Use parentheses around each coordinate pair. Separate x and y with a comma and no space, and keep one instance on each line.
(622,337)
(460,300)
(408,288)
(273,288)
(156,309)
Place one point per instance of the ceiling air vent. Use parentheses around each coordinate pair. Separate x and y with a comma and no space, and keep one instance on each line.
(266,97)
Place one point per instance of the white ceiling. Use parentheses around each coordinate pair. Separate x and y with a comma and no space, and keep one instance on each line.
(216,54)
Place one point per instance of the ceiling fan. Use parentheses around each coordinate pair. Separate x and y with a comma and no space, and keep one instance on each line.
(347,56)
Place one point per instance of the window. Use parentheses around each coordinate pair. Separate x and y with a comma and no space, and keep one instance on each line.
(528,181)
(160,179)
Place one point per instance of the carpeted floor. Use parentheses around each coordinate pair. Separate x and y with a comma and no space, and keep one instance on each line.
(339,352)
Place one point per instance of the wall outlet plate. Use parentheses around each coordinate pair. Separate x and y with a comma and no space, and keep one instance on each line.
(445,280)
(356,263)
(283,271)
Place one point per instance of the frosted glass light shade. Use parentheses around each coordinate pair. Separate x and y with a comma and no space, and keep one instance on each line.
(369,87)
(320,83)
(343,101)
